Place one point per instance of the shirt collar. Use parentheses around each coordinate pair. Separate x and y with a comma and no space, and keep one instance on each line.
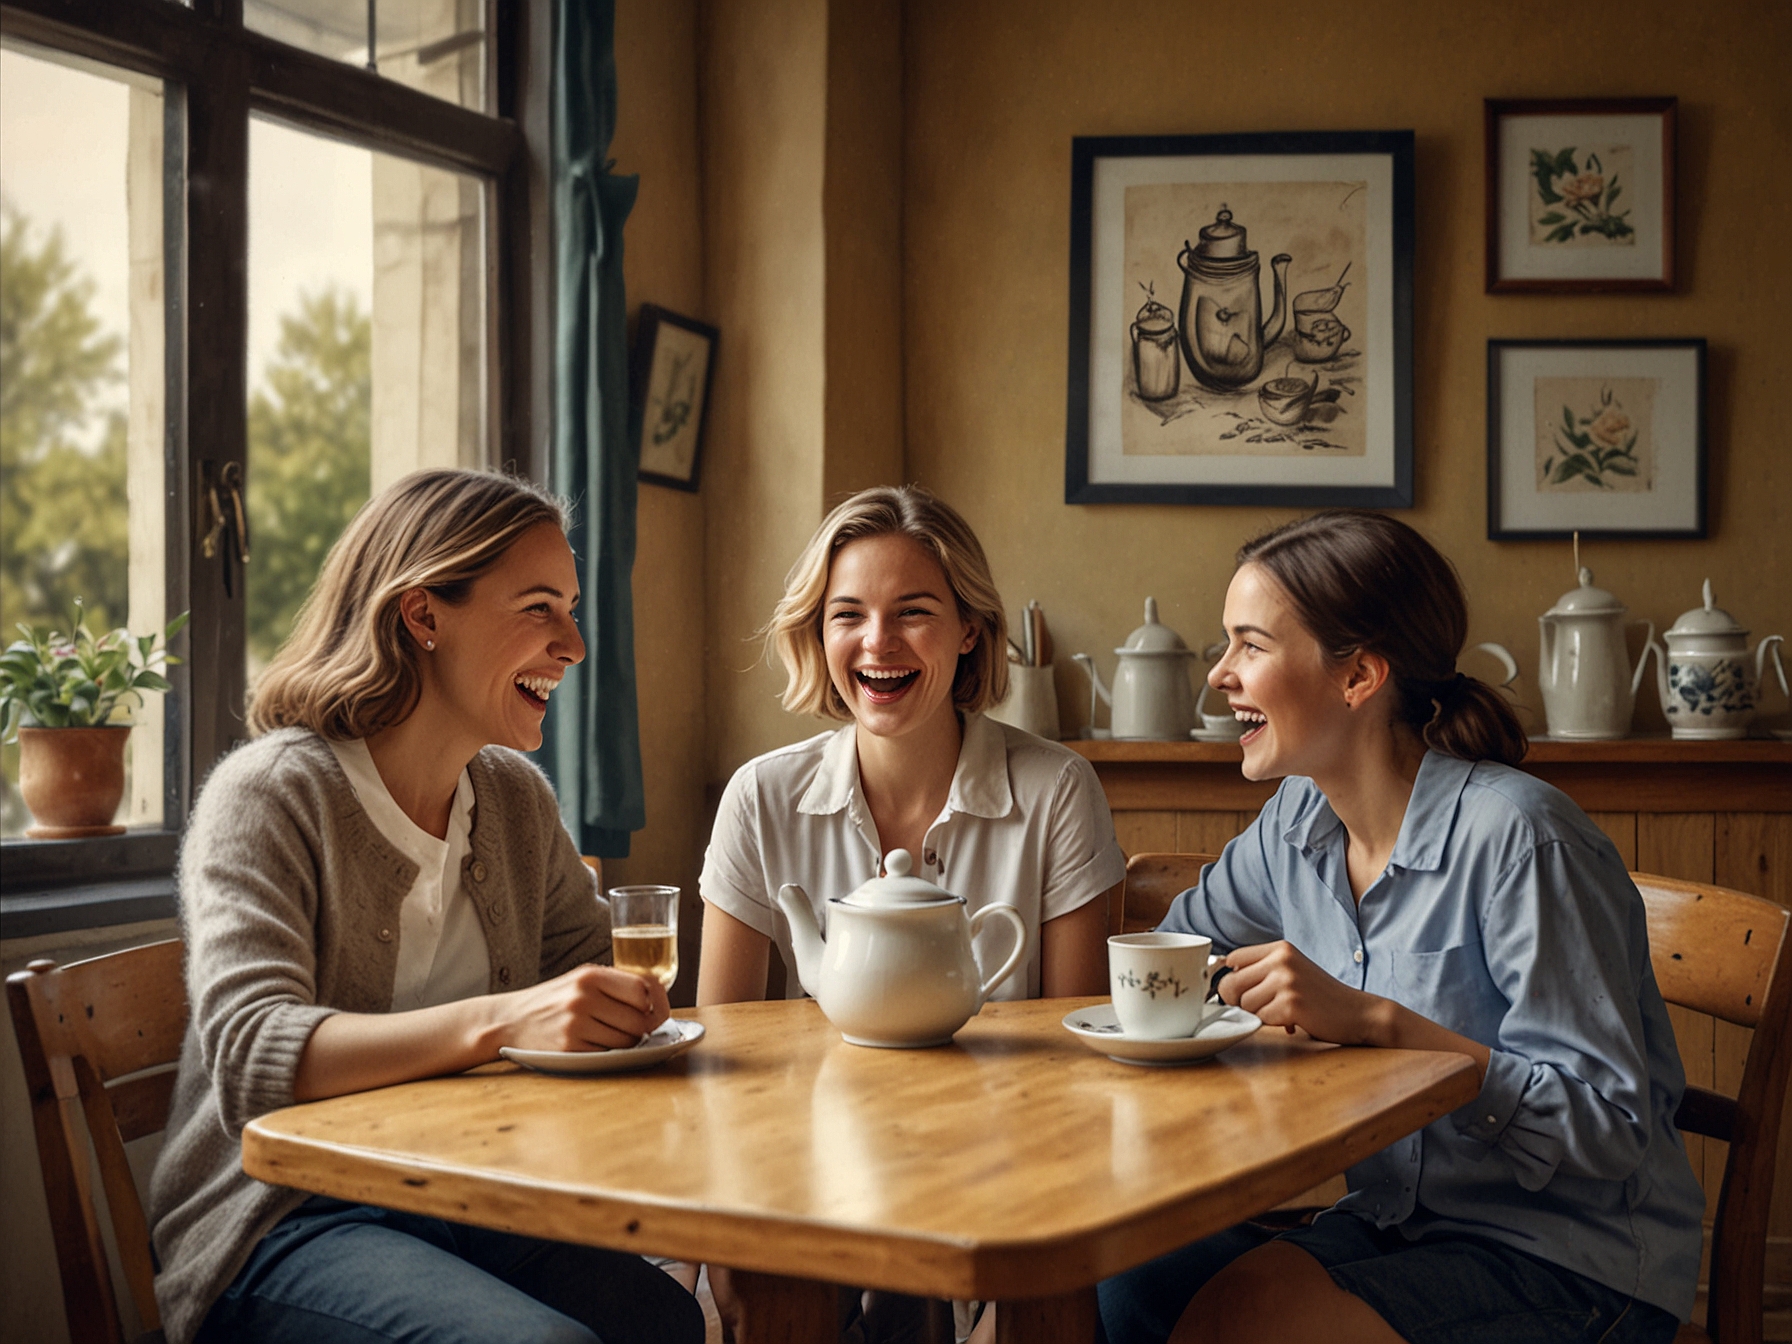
(1424,831)
(979,784)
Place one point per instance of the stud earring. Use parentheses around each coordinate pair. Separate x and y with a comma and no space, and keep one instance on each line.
(429,643)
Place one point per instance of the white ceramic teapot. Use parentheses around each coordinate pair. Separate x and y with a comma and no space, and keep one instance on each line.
(1589,687)
(897,966)
(1708,690)
(1152,699)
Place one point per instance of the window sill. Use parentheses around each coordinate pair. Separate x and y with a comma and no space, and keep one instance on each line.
(56,886)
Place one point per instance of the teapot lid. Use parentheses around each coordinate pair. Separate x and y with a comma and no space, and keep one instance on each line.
(898,887)
(1153,637)
(1707,620)
(1222,238)
(1586,600)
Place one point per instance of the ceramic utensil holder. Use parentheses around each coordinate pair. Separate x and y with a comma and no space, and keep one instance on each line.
(1032,703)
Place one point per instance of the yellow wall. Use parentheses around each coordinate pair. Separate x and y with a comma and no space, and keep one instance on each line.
(995,91)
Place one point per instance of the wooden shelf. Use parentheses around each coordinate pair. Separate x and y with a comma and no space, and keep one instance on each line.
(1635,774)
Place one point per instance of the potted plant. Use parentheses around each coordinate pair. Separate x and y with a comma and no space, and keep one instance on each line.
(67,699)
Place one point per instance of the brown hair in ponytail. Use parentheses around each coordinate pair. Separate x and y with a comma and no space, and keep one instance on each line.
(1361,582)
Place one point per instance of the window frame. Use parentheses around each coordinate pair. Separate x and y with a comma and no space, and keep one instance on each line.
(217,74)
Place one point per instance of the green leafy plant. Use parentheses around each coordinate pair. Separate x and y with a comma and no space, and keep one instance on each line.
(54,680)
(1577,197)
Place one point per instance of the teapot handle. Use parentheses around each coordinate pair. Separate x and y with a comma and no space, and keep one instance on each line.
(1019,950)
(1649,647)
(1771,643)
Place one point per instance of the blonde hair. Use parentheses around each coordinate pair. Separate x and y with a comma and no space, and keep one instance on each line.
(349,669)
(794,631)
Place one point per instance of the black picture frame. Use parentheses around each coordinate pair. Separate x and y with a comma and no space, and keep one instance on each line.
(1283,174)
(669,399)
(1650,395)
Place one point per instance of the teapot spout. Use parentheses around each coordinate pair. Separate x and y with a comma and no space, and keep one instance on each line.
(1278,316)
(805,938)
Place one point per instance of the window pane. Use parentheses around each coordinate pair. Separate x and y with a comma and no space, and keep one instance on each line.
(366,347)
(82,372)
(437,46)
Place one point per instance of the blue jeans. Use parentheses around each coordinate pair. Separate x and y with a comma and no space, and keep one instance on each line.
(1440,1290)
(337,1273)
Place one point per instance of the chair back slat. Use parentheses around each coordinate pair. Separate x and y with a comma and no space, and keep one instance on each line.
(1153,881)
(1722,952)
(80,1027)
(1713,949)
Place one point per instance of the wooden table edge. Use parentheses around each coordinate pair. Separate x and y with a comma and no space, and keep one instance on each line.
(930,1264)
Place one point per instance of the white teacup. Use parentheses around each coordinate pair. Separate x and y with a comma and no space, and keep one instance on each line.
(1159,982)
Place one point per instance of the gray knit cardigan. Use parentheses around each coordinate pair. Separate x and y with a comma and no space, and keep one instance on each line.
(290,899)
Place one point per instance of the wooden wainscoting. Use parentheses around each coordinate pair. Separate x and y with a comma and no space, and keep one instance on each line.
(1704,811)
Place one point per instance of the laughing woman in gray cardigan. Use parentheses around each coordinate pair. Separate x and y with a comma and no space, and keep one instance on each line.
(378,888)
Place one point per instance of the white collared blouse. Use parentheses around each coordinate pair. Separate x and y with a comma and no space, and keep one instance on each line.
(1025,824)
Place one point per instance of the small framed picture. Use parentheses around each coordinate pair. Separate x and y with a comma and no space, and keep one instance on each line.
(670,376)
(1580,194)
(1241,319)
(1606,438)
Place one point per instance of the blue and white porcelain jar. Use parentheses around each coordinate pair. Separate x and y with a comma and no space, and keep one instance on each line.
(1708,690)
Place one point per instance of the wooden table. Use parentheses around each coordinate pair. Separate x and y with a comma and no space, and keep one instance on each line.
(1013,1165)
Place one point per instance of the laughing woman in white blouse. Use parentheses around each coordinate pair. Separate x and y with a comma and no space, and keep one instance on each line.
(891,623)
(378,888)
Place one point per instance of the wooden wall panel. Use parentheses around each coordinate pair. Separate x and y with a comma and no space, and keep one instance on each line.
(1620,829)
(1146,832)
(1208,832)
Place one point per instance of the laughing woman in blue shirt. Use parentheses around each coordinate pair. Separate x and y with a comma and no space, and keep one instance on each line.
(1408,887)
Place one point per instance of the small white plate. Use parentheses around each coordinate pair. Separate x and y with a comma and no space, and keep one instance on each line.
(671,1037)
(1097,1028)
(1204,735)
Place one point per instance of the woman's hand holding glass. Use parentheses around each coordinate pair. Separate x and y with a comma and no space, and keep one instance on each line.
(588,1008)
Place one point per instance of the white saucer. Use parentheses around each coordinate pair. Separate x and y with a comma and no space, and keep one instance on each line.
(671,1037)
(1097,1028)
(1207,735)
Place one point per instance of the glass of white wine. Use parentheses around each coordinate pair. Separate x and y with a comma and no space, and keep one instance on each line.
(644,931)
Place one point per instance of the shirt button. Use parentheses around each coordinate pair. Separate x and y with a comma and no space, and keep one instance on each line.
(1357,956)
(503,975)
(385,935)
(478,871)
(1493,1119)
(933,858)
(496,910)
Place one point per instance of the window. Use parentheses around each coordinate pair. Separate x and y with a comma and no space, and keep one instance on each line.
(266,268)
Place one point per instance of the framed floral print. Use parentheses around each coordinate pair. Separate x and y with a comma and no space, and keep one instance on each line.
(1606,438)
(1580,194)
(670,375)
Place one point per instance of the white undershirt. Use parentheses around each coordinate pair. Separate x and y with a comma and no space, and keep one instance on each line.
(442,954)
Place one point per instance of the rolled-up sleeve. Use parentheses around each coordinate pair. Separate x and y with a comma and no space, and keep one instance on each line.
(733,878)
(1082,855)
(1567,1086)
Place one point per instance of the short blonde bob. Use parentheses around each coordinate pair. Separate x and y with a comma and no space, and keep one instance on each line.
(349,668)
(794,630)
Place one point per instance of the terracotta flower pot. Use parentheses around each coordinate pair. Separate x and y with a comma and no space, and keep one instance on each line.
(72,779)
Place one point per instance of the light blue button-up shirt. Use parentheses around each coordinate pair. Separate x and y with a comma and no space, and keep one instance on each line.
(1507,916)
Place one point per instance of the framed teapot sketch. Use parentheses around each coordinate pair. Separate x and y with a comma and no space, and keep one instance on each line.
(1241,320)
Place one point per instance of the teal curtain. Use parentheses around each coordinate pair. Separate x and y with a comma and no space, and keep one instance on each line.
(596,735)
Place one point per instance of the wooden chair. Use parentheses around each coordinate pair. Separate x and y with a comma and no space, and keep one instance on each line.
(1722,952)
(1152,882)
(102,1037)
